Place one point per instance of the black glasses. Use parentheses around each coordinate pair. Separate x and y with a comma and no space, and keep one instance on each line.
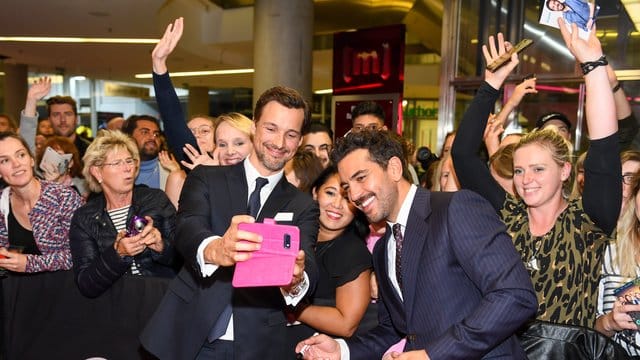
(627,178)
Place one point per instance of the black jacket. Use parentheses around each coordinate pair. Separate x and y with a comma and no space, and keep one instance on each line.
(96,263)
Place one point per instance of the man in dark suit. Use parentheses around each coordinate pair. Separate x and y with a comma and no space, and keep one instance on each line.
(202,316)
(448,275)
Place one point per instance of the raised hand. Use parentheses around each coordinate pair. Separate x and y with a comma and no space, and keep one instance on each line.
(40,88)
(197,158)
(528,86)
(493,52)
(492,133)
(168,161)
(165,46)
(583,50)
(37,91)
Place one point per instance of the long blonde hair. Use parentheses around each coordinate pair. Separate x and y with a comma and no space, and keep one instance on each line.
(628,234)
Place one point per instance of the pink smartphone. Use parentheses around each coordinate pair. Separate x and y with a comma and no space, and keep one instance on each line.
(273,264)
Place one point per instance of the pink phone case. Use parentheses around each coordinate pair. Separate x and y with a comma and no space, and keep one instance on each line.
(273,264)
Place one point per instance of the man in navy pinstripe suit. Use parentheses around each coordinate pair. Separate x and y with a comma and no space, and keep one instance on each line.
(459,289)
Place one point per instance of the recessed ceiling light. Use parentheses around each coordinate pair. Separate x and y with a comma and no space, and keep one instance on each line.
(201,73)
(77,40)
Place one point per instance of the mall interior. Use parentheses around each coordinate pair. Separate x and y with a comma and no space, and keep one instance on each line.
(238,48)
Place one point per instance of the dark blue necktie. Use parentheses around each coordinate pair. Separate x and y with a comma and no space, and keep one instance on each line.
(254,198)
(221,325)
(397,235)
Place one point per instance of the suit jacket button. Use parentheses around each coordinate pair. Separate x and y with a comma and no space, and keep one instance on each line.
(411,338)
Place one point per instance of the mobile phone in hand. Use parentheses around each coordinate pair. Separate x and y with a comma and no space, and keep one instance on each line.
(506,57)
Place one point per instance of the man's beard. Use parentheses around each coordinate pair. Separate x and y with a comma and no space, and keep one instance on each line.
(148,154)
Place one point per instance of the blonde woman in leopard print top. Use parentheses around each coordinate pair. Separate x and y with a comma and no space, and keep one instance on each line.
(560,241)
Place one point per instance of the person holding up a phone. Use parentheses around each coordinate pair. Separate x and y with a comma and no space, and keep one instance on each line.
(103,244)
(35,215)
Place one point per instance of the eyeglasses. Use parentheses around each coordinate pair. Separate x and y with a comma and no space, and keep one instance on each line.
(203,130)
(119,164)
(627,179)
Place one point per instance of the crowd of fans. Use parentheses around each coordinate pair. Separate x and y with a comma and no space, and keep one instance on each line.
(573,218)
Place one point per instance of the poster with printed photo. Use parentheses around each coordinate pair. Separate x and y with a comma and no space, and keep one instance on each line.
(580,12)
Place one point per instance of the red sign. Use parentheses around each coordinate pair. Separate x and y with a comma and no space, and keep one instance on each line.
(369,61)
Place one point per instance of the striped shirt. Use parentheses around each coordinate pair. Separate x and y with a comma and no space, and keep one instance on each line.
(610,280)
(119,220)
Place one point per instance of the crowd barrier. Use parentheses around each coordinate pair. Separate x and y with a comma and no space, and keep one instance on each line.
(46,317)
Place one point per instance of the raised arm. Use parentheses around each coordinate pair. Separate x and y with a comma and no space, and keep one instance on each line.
(173,119)
(496,127)
(627,123)
(29,116)
(472,172)
(602,190)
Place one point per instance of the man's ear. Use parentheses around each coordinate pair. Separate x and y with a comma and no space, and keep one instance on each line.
(394,168)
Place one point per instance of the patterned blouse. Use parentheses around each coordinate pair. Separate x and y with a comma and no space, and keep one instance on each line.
(564,264)
(50,219)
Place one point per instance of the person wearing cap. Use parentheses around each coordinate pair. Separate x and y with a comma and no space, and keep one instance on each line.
(559,120)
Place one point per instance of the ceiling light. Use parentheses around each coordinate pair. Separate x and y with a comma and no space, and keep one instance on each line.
(77,40)
(633,9)
(200,73)
(323,91)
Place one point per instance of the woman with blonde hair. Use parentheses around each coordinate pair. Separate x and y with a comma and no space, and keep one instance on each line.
(561,241)
(621,264)
(124,229)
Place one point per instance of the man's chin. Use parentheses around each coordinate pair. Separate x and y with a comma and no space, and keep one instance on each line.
(145,156)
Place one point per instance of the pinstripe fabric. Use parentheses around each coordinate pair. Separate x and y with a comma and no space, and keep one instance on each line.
(466,290)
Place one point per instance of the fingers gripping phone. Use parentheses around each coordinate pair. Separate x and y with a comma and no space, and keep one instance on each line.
(506,57)
(273,263)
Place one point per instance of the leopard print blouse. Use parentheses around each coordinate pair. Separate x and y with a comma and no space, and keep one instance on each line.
(564,264)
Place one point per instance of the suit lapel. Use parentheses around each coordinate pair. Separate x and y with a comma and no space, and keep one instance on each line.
(238,189)
(278,198)
(415,237)
(381,258)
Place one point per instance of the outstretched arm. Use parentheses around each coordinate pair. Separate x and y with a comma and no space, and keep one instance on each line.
(627,123)
(29,116)
(602,190)
(173,119)
(472,172)
(496,127)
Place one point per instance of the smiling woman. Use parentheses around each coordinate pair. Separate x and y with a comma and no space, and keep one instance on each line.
(34,214)
(102,247)
(556,237)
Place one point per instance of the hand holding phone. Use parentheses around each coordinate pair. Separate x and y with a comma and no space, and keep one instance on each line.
(273,263)
(506,57)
